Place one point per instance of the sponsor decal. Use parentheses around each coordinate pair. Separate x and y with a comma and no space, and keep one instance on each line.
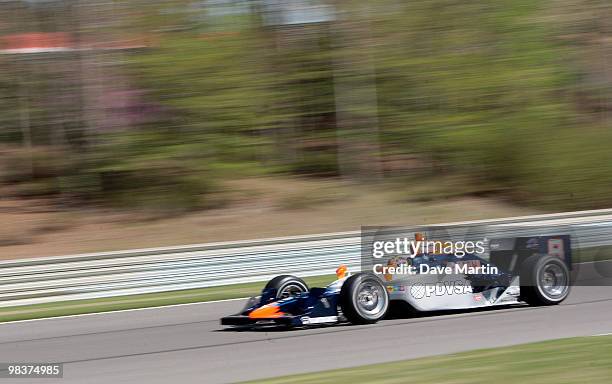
(417,291)
(513,291)
(555,248)
(318,320)
(445,288)
(532,243)
(396,288)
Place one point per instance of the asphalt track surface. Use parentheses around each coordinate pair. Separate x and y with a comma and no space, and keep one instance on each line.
(185,344)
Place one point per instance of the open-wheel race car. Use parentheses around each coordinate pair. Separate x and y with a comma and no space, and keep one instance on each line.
(523,270)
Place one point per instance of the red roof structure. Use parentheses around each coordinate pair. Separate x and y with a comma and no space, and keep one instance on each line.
(36,42)
(47,42)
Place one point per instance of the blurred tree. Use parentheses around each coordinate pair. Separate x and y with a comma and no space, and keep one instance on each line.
(514,95)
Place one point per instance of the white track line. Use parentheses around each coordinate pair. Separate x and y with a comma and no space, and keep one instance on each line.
(122,310)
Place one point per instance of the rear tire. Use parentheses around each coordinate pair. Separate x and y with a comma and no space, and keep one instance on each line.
(287,286)
(545,280)
(364,299)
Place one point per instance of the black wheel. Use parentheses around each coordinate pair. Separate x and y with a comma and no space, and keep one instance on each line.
(363,299)
(287,286)
(545,280)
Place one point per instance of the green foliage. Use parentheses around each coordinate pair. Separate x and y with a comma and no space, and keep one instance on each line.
(488,90)
(512,94)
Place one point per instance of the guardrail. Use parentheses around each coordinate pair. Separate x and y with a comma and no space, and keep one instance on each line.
(108,274)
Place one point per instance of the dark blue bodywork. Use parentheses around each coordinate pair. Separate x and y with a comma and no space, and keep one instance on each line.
(297,310)
(320,305)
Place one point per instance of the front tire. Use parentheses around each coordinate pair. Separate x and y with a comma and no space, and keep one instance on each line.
(545,280)
(287,286)
(363,299)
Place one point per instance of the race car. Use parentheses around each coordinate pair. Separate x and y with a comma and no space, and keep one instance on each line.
(531,270)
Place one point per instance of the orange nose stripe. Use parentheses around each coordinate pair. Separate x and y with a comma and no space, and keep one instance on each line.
(341,271)
(270,311)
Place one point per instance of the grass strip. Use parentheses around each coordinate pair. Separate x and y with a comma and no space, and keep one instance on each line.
(569,361)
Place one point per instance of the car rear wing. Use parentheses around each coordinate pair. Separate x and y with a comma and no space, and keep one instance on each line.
(509,253)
